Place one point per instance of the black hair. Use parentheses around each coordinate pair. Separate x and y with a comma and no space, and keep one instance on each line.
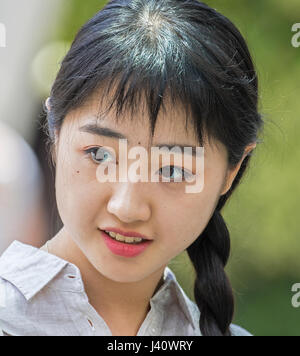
(189,52)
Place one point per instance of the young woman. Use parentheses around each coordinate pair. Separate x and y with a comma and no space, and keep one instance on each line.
(154,73)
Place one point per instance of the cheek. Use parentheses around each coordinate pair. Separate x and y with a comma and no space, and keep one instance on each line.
(185,219)
(78,194)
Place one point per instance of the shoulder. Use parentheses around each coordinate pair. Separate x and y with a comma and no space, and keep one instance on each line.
(13,308)
(236,330)
(10,302)
(191,309)
(239,331)
(26,274)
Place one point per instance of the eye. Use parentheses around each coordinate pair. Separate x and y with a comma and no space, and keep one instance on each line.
(180,174)
(100,155)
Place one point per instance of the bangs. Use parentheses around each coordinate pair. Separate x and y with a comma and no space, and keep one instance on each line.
(128,93)
(163,53)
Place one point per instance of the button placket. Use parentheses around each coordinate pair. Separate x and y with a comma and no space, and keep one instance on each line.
(91,324)
(155,320)
(100,327)
(153,332)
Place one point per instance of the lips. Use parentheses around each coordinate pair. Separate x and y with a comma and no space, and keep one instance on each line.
(125,233)
(124,249)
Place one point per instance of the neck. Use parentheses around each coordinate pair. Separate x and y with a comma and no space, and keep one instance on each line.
(114,301)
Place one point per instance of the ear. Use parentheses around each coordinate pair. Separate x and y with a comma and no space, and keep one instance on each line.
(47,103)
(231,174)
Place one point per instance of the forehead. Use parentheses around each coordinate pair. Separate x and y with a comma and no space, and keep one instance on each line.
(171,122)
(171,126)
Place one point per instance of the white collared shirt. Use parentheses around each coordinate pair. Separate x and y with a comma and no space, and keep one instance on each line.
(43,295)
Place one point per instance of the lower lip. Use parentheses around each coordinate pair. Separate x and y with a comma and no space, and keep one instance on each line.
(122,248)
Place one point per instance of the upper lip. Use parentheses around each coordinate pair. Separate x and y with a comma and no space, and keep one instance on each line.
(125,233)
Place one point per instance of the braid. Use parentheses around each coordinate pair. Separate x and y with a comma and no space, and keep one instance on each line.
(213,293)
(209,254)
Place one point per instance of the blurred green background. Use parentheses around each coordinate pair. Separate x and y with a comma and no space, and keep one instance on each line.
(262,215)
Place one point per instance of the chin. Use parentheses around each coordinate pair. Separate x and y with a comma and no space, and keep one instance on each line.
(121,275)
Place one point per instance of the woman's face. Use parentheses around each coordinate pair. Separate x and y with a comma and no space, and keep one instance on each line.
(162,211)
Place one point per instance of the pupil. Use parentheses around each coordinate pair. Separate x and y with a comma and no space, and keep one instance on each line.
(168,170)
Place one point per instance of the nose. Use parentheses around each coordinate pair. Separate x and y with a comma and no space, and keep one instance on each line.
(129,202)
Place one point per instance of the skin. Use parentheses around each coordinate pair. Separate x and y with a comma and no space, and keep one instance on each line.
(120,288)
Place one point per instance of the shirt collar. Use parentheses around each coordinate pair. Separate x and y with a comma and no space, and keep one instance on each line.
(171,285)
(31,269)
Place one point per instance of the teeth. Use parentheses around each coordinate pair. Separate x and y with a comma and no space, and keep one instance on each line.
(129,239)
(122,238)
(137,239)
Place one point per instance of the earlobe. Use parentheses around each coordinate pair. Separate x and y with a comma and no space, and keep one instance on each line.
(230,178)
(47,103)
(231,174)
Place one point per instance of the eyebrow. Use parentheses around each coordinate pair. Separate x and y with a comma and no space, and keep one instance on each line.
(101,131)
(96,129)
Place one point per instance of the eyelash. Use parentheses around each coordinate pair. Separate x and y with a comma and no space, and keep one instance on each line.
(94,150)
